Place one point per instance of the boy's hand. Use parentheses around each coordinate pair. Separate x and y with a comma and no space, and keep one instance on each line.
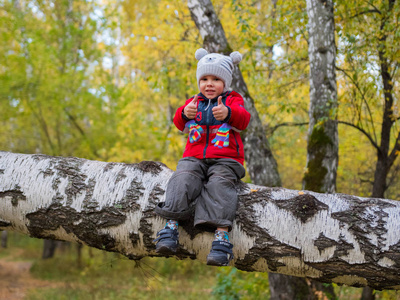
(190,110)
(220,112)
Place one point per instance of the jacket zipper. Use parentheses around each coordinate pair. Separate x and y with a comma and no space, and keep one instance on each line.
(208,128)
(237,144)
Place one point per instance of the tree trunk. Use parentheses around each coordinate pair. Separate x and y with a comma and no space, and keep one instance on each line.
(261,164)
(384,159)
(381,171)
(367,294)
(79,256)
(322,147)
(49,248)
(330,238)
(4,239)
(283,287)
(290,288)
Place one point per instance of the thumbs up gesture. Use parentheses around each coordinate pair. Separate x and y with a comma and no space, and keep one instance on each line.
(220,111)
(190,110)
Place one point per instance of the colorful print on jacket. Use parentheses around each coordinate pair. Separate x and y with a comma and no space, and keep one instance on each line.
(238,118)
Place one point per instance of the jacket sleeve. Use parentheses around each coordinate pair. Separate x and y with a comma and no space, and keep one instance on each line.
(179,118)
(240,117)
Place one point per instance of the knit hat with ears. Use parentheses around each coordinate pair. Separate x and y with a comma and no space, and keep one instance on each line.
(216,64)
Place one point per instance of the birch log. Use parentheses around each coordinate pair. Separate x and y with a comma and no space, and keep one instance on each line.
(327,237)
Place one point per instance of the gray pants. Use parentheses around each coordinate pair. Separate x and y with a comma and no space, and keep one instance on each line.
(205,187)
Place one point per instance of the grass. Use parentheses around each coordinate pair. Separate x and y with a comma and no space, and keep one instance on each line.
(102,275)
(110,276)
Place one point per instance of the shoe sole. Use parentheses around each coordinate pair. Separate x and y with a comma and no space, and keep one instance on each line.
(166,251)
(212,262)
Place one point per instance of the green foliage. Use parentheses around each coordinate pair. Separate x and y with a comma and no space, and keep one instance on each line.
(367,40)
(233,284)
(227,287)
(47,79)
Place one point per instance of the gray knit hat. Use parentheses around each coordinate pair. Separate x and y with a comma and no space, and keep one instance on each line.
(216,64)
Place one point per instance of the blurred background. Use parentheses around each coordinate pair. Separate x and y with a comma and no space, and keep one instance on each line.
(102,79)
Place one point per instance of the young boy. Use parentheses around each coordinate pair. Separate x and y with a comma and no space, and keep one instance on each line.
(212,163)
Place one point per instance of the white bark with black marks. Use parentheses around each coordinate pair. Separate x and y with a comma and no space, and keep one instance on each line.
(331,238)
(322,147)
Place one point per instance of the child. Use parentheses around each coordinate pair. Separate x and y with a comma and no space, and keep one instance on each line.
(212,163)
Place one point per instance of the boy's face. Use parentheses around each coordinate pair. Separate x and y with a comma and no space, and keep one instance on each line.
(211,86)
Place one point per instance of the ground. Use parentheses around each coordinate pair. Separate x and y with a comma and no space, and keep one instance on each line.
(16,279)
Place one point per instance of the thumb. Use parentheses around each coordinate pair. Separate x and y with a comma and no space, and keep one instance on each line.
(220,100)
(194,101)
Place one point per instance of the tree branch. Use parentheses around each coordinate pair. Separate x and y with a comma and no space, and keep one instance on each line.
(363,131)
(271,130)
(372,4)
(363,98)
(395,152)
(110,206)
(394,175)
(81,131)
(366,12)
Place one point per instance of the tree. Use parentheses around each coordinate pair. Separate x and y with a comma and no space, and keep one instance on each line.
(110,206)
(371,95)
(49,96)
(373,48)
(3,239)
(322,145)
(322,142)
(51,50)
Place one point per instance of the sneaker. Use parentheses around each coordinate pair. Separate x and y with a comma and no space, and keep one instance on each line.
(167,241)
(220,254)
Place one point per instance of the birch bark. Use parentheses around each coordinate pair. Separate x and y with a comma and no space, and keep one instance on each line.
(327,237)
(322,147)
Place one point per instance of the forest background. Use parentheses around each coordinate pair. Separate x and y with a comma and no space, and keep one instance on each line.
(102,80)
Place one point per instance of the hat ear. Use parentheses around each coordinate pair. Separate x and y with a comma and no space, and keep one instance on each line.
(200,53)
(236,57)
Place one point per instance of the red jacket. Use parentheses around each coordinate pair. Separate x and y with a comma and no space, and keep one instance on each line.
(238,118)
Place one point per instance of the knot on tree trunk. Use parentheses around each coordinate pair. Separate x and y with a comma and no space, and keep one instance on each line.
(303,207)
